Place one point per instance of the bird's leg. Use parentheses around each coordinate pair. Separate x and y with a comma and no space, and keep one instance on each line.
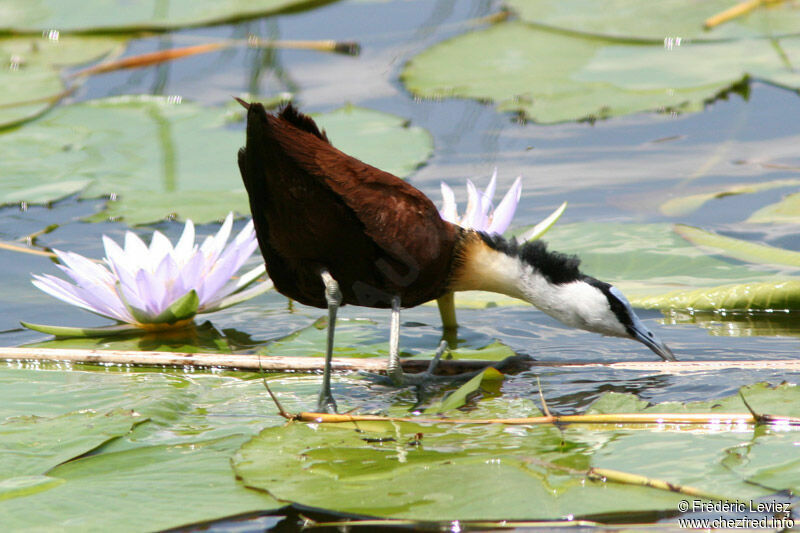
(393,369)
(447,310)
(334,298)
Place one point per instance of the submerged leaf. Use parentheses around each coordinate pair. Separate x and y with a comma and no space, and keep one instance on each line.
(739,249)
(683,205)
(787,211)
(459,397)
(770,295)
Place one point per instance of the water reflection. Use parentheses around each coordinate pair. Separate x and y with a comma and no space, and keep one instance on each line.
(745,324)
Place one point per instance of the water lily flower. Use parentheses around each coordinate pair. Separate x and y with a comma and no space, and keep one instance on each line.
(159,286)
(481,215)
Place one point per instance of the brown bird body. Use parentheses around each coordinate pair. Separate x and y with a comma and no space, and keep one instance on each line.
(314,206)
(334,230)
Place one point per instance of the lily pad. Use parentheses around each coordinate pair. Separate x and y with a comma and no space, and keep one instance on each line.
(431,471)
(32,445)
(738,248)
(550,76)
(447,477)
(771,295)
(356,130)
(167,481)
(787,211)
(156,158)
(30,79)
(655,21)
(119,15)
(683,205)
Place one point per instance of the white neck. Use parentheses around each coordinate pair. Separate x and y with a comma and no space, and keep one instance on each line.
(577,303)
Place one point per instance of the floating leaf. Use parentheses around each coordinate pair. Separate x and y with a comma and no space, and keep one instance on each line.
(66,331)
(30,81)
(459,397)
(33,445)
(120,15)
(683,205)
(739,324)
(771,295)
(444,479)
(787,211)
(549,76)
(655,21)
(363,132)
(156,158)
(542,227)
(739,249)
(168,481)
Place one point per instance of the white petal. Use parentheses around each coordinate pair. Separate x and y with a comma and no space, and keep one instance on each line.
(221,272)
(159,247)
(168,275)
(213,246)
(129,290)
(192,272)
(473,206)
(504,214)
(151,292)
(99,302)
(449,211)
(489,194)
(136,253)
(248,233)
(80,268)
(63,290)
(185,243)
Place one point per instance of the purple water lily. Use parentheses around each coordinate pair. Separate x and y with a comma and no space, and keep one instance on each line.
(481,215)
(160,285)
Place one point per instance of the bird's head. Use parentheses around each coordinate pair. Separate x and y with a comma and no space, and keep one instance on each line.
(602,308)
(552,282)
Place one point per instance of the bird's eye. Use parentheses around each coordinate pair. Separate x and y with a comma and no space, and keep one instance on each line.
(649,333)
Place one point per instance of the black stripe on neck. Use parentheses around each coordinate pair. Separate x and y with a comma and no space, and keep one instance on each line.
(556,267)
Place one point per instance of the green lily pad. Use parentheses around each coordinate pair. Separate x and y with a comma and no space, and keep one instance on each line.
(356,130)
(549,76)
(769,295)
(740,323)
(783,400)
(156,158)
(168,481)
(683,205)
(459,397)
(451,475)
(119,15)
(738,248)
(655,21)
(787,211)
(32,445)
(30,79)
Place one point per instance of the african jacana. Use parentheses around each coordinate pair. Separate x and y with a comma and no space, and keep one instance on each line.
(334,230)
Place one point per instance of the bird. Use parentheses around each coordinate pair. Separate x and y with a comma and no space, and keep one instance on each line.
(334,231)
